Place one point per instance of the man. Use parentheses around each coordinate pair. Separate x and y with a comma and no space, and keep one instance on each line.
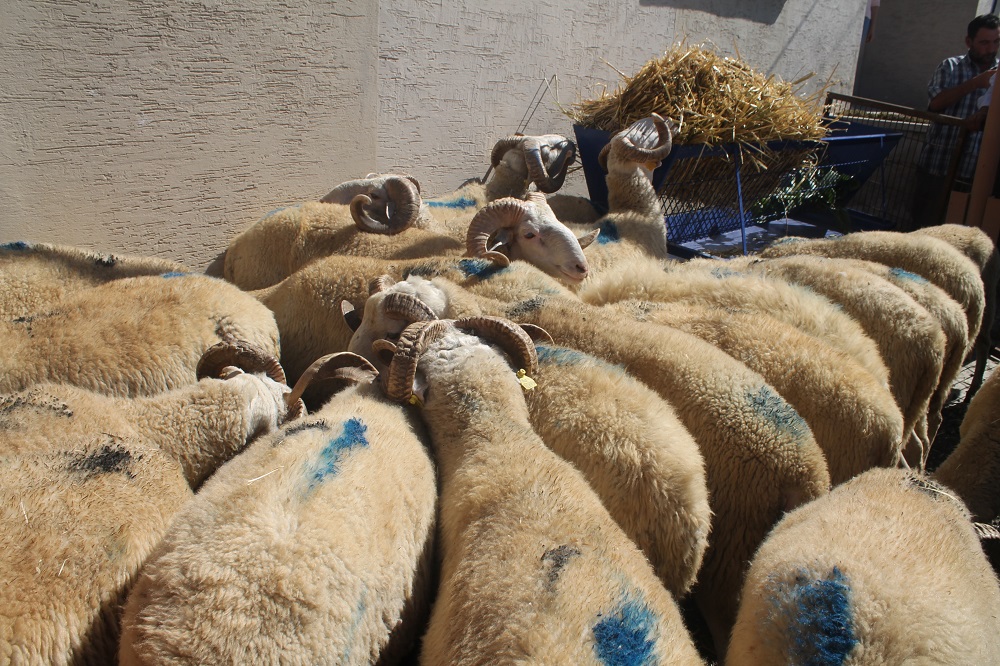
(954,90)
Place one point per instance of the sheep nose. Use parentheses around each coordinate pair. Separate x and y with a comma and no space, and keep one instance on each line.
(582,269)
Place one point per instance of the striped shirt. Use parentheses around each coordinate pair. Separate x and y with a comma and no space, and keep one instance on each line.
(942,139)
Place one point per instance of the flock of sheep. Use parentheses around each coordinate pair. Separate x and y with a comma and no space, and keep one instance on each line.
(498,427)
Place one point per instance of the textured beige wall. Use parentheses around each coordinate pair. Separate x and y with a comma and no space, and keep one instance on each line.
(452,81)
(164,127)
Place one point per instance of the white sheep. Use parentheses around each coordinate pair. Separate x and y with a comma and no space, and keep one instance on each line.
(931,258)
(911,341)
(132,336)
(313,546)
(949,315)
(93,482)
(972,470)
(977,245)
(634,224)
(761,458)
(854,419)
(368,217)
(716,284)
(629,444)
(533,567)
(36,276)
(886,569)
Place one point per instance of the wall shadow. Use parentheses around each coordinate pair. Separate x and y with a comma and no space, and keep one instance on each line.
(758,11)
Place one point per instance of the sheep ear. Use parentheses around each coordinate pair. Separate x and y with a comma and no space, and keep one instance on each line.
(350,315)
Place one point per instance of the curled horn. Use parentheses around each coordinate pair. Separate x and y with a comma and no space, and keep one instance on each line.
(629,150)
(506,212)
(242,354)
(412,343)
(250,358)
(537,333)
(407,307)
(509,336)
(413,179)
(381,283)
(502,146)
(340,365)
(545,180)
(404,193)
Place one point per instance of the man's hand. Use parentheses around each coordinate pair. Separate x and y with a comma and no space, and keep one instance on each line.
(982,80)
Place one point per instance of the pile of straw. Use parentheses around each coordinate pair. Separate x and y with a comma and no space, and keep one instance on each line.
(710,99)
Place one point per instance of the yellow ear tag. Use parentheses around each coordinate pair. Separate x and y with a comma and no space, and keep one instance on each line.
(527,383)
(414,400)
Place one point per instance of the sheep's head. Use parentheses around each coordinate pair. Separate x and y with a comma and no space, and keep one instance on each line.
(343,366)
(380,204)
(510,228)
(543,159)
(644,143)
(390,308)
(451,342)
(238,360)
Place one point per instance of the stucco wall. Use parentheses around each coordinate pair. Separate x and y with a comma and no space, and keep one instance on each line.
(451,82)
(164,127)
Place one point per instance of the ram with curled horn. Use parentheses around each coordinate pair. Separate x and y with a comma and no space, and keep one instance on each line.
(528,230)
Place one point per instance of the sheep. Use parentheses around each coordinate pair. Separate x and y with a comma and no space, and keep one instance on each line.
(533,569)
(947,313)
(312,546)
(92,483)
(716,284)
(133,336)
(634,224)
(973,468)
(630,446)
(761,458)
(977,245)
(927,256)
(854,419)
(910,339)
(307,304)
(367,216)
(886,569)
(36,276)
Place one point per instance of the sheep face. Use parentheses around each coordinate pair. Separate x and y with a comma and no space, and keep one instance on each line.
(528,230)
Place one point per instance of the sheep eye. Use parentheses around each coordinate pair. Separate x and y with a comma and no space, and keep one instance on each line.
(529,235)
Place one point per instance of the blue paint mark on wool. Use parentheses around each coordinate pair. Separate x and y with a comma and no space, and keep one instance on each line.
(773,407)
(352,437)
(821,630)
(16,246)
(609,233)
(480,268)
(461,202)
(623,638)
(907,275)
(173,274)
(565,356)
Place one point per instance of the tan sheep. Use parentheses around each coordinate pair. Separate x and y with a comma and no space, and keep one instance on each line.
(533,567)
(132,336)
(854,419)
(91,485)
(910,339)
(761,458)
(313,546)
(717,284)
(36,276)
(626,439)
(886,569)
